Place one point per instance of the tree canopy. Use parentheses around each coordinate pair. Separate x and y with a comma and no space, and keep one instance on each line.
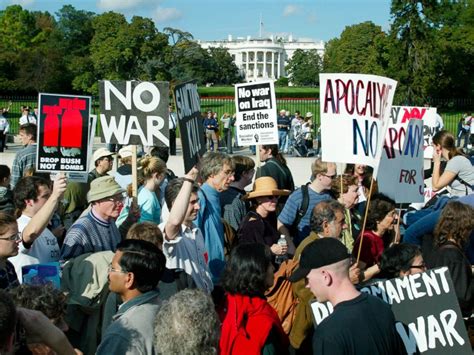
(73,50)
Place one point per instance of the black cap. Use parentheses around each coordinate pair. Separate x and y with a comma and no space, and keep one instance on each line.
(321,252)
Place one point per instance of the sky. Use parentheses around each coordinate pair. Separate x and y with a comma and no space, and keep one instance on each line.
(216,19)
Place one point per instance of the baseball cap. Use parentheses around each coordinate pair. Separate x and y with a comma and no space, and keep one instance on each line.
(321,252)
(125,152)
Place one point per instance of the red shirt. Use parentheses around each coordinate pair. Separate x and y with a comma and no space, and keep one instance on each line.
(372,248)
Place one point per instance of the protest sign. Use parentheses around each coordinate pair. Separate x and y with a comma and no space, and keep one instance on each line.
(134,112)
(256,121)
(426,309)
(63,133)
(401,165)
(431,125)
(355,112)
(188,111)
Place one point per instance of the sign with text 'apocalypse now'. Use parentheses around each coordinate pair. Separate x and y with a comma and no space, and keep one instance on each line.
(426,310)
(355,109)
(63,133)
(134,112)
(256,121)
(188,110)
(401,166)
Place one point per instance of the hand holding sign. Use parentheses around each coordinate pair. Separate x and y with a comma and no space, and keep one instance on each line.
(59,186)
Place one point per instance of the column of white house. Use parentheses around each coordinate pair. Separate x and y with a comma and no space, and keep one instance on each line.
(265,74)
(273,65)
(255,69)
(246,65)
(279,65)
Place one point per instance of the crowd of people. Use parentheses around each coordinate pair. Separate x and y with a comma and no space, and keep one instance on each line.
(184,268)
(296,133)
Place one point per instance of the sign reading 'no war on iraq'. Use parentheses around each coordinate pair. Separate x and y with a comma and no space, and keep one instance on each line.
(134,112)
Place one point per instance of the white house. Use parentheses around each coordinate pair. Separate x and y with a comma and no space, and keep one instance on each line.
(263,58)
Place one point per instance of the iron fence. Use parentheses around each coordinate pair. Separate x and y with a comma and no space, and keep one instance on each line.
(451,110)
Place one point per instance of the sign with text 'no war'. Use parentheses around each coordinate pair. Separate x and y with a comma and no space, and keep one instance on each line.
(401,165)
(256,121)
(63,133)
(134,112)
(426,310)
(188,110)
(355,109)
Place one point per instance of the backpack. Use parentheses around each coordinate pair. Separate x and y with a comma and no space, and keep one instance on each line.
(301,210)
(280,296)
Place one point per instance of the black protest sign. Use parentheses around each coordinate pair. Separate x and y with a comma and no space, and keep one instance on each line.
(188,110)
(134,112)
(63,133)
(425,306)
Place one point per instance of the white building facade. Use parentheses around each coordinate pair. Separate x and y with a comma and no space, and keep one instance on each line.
(263,58)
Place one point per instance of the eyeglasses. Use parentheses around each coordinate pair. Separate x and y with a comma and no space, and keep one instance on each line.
(332,177)
(116,198)
(421,266)
(111,269)
(13,238)
(271,197)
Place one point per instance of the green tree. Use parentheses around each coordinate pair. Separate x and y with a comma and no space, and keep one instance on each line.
(304,67)
(224,71)
(360,49)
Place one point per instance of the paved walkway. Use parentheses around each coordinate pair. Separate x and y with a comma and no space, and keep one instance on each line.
(300,167)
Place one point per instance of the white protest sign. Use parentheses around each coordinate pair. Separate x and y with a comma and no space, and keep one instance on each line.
(431,126)
(355,109)
(426,310)
(134,112)
(401,166)
(256,121)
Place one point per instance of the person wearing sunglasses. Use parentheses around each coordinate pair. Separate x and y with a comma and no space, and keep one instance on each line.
(9,241)
(260,224)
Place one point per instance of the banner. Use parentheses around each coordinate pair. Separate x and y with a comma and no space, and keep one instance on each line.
(256,121)
(426,309)
(134,112)
(401,165)
(63,133)
(188,111)
(355,112)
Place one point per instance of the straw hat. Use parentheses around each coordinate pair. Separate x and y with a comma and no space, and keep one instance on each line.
(265,186)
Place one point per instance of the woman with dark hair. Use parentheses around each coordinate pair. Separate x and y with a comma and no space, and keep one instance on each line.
(458,175)
(275,167)
(451,237)
(260,224)
(401,260)
(250,325)
(378,234)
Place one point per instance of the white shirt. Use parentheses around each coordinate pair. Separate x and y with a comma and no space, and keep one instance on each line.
(44,249)
(188,252)
(4,125)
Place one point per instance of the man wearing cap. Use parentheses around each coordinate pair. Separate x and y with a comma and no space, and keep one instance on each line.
(322,174)
(360,323)
(96,231)
(123,176)
(103,162)
(327,221)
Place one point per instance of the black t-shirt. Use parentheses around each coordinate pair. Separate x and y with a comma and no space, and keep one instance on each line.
(363,325)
